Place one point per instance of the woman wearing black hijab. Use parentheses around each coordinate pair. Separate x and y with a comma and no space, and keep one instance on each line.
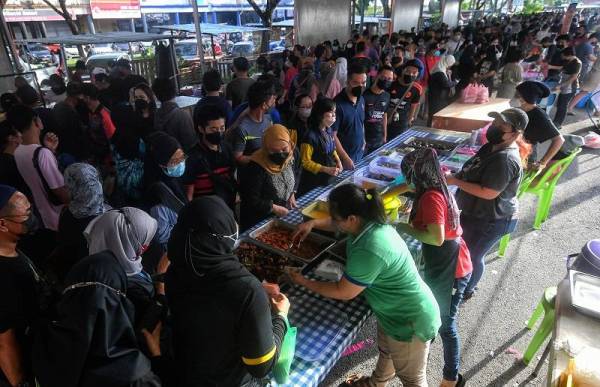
(92,343)
(223,330)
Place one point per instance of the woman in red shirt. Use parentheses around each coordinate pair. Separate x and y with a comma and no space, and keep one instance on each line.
(435,221)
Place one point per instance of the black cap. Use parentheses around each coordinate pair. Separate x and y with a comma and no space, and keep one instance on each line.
(516,117)
(533,91)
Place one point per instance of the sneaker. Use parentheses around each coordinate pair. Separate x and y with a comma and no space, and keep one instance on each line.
(570,113)
(468,296)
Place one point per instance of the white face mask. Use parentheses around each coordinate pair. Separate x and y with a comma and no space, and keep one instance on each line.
(304,113)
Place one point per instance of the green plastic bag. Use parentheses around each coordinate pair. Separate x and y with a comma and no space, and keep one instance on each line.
(281,370)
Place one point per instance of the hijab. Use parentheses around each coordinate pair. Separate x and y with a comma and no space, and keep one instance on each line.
(422,168)
(126,233)
(87,198)
(341,71)
(201,247)
(271,136)
(92,343)
(444,64)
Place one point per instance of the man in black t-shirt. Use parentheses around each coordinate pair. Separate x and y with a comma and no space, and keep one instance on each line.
(554,58)
(210,167)
(402,111)
(377,100)
(487,69)
(18,288)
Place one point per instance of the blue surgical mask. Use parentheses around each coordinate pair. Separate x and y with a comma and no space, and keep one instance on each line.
(175,171)
(437,53)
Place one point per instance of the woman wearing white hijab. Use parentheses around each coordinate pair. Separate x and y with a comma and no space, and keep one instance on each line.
(337,78)
(440,86)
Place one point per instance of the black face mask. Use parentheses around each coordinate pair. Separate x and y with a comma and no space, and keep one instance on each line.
(32,224)
(141,104)
(215,138)
(561,46)
(279,158)
(306,72)
(407,78)
(384,85)
(357,91)
(495,135)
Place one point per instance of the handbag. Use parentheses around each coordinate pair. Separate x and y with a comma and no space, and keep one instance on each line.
(483,94)
(469,94)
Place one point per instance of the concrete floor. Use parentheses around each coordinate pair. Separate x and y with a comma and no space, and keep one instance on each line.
(492,323)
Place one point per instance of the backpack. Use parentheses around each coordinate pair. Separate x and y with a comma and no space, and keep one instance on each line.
(52,198)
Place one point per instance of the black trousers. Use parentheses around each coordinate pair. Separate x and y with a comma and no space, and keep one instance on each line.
(562,102)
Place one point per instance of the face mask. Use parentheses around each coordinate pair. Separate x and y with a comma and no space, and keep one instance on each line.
(349,45)
(175,171)
(279,158)
(495,135)
(141,104)
(407,78)
(31,225)
(384,84)
(408,55)
(215,138)
(329,122)
(561,46)
(498,55)
(357,91)
(304,113)
(437,53)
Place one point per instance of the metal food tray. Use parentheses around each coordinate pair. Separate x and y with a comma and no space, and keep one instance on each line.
(585,293)
(283,278)
(323,242)
(451,146)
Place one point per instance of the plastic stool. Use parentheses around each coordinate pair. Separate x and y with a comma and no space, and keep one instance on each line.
(546,305)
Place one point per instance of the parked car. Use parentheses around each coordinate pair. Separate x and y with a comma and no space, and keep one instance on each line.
(100,49)
(39,53)
(106,61)
(277,45)
(188,49)
(243,49)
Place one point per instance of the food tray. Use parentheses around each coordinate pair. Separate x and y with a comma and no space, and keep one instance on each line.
(316,210)
(265,263)
(313,246)
(339,250)
(366,179)
(585,293)
(445,148)
(390,166)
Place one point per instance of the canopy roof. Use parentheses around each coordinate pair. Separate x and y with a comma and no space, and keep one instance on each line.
(101,38)
(210,28)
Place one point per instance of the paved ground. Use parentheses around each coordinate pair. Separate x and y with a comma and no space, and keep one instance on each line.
(493,321)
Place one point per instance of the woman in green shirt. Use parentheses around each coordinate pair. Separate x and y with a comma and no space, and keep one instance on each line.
(380,266)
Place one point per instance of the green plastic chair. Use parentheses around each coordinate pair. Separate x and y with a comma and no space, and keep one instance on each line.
(544,189)
(525,183)
(546,306)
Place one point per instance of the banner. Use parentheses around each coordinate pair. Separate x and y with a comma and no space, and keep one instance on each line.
(37,10)
(115,9)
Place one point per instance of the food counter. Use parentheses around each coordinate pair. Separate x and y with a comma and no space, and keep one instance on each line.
(465,117)
(327,327)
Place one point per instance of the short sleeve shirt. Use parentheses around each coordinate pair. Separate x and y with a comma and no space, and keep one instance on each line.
(501,171)
(570,68)
(237,90)
(400,117)
(539,129)
(376,106)
(583,51)
(433,209)
(349,124)
(379,260)
(49,168)
(247,136)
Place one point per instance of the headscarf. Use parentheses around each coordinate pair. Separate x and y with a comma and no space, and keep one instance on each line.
(443,64)
(422,168)
(162,147)
(271,136)
(340,73)
(87,198)
(201,247)
(93,341)
(126,233)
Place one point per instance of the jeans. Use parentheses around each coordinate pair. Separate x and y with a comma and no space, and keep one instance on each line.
(481,235)
(562,103)
(449,330)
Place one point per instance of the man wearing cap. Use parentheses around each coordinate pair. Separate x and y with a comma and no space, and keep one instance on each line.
(404,98)
(488,185)
(18,288)
(540,131)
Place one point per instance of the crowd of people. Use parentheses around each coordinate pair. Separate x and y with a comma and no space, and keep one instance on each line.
(120,211)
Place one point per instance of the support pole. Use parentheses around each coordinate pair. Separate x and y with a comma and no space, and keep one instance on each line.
(132,25)
(90,23)
(145,23)
(196,17)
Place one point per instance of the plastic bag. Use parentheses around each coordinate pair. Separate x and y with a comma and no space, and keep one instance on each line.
(592,140)
(483,94)
(281,370)
(469,93)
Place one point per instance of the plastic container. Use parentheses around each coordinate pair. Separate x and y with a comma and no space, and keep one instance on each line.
(588,261)
(363,178)
(386,165)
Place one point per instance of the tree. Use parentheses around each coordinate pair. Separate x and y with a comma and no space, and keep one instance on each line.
(266,16)
(387,11)
(73,24)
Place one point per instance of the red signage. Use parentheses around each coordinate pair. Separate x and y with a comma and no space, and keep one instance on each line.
(115,9)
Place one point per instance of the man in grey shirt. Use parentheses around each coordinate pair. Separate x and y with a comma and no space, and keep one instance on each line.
(170,118)
(237,89)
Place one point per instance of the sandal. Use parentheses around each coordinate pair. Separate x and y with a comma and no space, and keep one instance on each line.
(356,380)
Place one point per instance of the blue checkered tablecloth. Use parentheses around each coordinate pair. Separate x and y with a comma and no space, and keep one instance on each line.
(322,341)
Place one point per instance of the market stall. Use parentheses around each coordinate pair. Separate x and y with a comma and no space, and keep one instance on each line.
(465,117)
(327,327)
